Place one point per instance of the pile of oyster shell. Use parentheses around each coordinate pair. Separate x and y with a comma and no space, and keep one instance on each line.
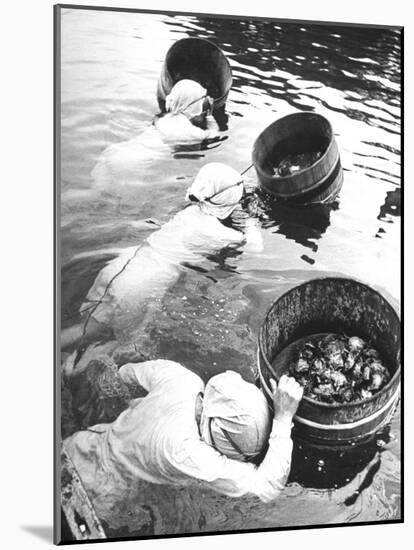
(339,369)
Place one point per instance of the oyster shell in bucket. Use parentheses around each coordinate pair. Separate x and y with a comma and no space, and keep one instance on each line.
(336,368)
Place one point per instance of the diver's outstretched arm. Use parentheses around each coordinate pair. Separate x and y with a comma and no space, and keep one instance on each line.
(71,337)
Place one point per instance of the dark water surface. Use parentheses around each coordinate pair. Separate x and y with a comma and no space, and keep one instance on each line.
(209,320)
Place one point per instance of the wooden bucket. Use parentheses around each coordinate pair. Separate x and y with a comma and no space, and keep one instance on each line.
(302,132)
(200,60)
(334,305)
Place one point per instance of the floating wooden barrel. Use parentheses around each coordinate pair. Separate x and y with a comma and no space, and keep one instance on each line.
(291,135)
(333,305)
(199,60)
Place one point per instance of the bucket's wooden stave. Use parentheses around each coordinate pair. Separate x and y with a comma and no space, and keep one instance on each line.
(200,60)
(293,134)
(334,305)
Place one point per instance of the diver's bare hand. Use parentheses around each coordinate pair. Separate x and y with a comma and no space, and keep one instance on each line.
(286,398)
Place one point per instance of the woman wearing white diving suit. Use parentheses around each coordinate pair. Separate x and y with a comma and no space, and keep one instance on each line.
(188,107)
(129,287)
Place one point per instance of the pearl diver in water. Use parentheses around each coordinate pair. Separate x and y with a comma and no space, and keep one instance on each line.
(126,291)
(188,120)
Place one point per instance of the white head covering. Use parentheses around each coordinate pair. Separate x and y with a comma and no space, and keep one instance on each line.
(182,96)
(236,419)
(219,189)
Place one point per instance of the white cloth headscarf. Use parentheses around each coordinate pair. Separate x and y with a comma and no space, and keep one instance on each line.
(236,419)
(219,189)
(186,97)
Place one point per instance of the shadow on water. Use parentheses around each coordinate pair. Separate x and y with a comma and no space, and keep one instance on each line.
(189,151)
(302,224)
(327,467)
(391,206)
(221,268)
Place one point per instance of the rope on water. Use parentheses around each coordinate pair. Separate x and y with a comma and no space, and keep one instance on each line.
(99,302)
(81,311)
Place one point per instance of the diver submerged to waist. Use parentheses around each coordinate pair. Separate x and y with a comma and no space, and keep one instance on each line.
(128,288)
(184,432)
(188,120)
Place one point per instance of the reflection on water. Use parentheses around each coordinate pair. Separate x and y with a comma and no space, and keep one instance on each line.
(304,225)
(325,467)
(209,320)
(391,206)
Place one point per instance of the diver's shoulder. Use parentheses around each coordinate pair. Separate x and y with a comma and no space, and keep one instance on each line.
(191,211)
(180,371)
